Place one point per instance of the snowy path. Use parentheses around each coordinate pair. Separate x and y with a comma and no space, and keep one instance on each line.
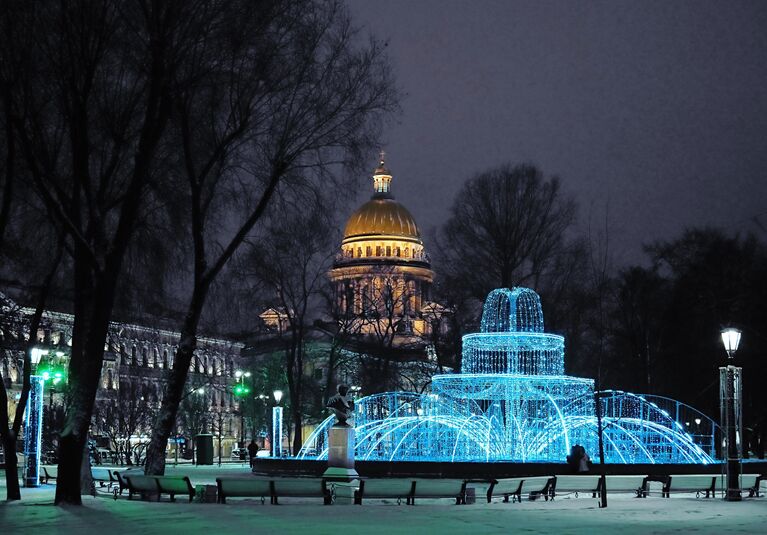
(624,516)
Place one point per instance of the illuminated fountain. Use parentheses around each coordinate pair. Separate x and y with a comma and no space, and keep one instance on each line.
(513,402)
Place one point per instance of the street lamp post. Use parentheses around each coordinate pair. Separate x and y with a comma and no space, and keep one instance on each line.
(264,431)
(241,390)
(277,425)
(731,406)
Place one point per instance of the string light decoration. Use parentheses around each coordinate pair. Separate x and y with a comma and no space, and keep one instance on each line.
(33,431)
(513,402)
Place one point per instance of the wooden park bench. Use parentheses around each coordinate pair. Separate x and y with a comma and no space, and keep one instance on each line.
(439,488)
(49,472)
(173,485)
(697,483)
(231,487)
(140,484)
(300,487)
(636,484)
(382,488)
(509,487)
(761,481)
(751,482)
(568,484)
(514,487)
(748,483)
(102,476)
(119,479)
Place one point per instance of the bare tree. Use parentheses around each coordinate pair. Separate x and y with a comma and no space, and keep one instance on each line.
(291,260)
(97,82)
(641,296)
(343,328)
(124,417)
(511,221)
(293,94)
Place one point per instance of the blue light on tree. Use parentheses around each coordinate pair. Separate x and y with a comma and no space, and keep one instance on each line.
(513,402)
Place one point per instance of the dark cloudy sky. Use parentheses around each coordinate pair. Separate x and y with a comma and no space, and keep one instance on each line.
(657,108)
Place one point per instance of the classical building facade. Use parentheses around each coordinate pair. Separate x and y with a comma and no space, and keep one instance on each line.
(134,375)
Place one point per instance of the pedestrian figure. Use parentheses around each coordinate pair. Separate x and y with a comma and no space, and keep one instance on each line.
(252,452)
(583,461)
(578,460)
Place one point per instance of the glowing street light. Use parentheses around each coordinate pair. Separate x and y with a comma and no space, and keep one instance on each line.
(731,340)
(277,396)
(241,388)
(36,355)
(731,396)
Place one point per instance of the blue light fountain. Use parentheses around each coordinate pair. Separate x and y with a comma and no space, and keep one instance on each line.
(512,402)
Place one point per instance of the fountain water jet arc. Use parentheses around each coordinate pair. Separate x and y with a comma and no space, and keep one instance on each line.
(513,402)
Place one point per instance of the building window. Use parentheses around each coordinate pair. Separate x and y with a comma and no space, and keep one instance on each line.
(398,251)
(133,358)
(388,250)
(407,252)
(165,358)
(368,251)
(359,252)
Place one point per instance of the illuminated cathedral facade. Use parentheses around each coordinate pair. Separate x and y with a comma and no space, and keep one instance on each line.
(382,274)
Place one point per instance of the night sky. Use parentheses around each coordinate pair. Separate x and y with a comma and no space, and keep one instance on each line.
(657,109)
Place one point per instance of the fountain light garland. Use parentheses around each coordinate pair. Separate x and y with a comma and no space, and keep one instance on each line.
(513,402)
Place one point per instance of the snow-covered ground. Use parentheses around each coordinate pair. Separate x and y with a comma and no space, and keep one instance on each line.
(624,515)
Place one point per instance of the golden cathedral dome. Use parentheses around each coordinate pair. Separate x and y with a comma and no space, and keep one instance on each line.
(381,216)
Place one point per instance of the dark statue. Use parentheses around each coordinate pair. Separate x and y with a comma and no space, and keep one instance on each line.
(342,406)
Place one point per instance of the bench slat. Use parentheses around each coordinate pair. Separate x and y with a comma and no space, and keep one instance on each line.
(139,484)
(384,488)
(243,488)
(439,488)
(175,485)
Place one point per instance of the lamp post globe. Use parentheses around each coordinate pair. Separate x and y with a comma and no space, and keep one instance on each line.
(731,340)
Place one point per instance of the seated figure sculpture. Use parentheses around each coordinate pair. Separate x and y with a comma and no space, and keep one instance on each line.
(341,405)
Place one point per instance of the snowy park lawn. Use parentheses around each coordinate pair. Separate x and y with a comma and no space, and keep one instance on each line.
(36,515)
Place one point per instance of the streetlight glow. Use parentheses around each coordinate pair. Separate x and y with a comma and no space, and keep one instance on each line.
(731,340)
(277,396)
(37,354)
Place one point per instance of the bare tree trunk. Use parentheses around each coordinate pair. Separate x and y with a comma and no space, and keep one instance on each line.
(166,419)
(12,491)
(84,373)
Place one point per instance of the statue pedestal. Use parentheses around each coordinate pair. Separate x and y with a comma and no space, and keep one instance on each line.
(341,455)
